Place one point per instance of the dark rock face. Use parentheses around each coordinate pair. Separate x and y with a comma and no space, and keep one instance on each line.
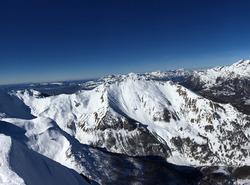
(224,175)
(200,152)
(192,83)
(155,170)
(140,142)
(241,173)
(216,178)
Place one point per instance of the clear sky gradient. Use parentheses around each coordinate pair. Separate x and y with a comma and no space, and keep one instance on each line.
(53,40)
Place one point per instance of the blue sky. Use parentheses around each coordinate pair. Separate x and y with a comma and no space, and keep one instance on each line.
(52,40)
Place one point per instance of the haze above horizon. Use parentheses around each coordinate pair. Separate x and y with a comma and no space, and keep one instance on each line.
(59,40)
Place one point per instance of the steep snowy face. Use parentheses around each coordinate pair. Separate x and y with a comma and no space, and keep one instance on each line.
(140,100)
(241,68)
(137,116)
(194,128)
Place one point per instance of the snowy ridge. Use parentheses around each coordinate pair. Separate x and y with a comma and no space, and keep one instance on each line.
(173,75)
(156,75)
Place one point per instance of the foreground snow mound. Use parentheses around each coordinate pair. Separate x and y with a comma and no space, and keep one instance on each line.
(7,175)
(20,165)
(141,117)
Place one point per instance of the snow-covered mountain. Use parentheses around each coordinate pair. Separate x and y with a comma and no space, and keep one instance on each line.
(131,118)
(226,84)
(139,117)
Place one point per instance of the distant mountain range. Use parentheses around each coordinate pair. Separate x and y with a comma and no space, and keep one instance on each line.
(152,128)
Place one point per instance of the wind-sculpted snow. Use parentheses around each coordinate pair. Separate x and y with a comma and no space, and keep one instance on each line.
(141,117)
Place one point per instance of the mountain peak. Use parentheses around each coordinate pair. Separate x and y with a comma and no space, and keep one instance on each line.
(241,68)
(242,62)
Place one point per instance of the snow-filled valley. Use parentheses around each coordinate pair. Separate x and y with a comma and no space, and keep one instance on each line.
(118,122)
